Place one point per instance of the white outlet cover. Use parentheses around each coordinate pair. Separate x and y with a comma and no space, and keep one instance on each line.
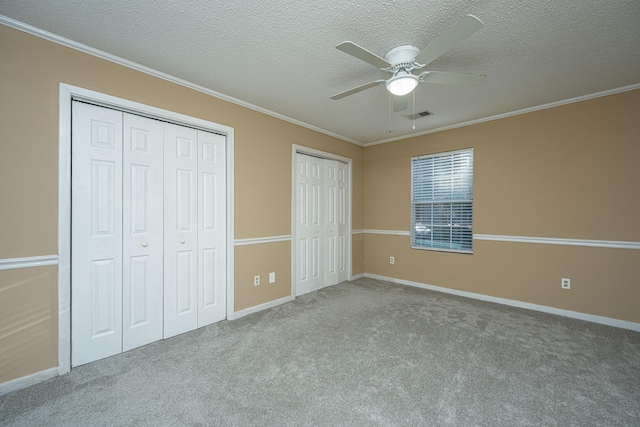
(256,280)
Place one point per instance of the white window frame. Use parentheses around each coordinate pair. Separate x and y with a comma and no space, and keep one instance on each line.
(445,181)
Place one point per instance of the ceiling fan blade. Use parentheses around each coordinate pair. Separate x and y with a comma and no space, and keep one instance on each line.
(400,103)
(449,39)
(356,89)
(363,54)
(446,78)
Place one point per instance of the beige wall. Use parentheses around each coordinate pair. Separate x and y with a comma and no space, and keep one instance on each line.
(28,321)
(31,70)
(565,172)
(256,260)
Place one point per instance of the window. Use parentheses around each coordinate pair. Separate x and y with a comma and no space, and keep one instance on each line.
(442,201)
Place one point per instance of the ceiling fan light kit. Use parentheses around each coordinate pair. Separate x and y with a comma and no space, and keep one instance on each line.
(402,83)
(401,61)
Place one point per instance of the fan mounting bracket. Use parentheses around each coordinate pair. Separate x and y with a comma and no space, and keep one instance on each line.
(422,75)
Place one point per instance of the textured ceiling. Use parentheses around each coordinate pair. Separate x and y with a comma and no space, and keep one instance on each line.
(280,55)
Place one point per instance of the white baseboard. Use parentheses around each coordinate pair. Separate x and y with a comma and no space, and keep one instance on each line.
(260,307)
(357,276)
(514,303)
(28,380)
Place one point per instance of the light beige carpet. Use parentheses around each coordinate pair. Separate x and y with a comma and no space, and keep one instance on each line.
(365,353)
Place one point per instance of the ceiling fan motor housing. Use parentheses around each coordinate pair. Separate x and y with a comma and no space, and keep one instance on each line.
(401,56)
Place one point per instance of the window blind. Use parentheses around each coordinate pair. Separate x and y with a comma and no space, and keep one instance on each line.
(442,201)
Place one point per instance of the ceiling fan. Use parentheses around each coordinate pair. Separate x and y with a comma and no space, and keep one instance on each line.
(402,61)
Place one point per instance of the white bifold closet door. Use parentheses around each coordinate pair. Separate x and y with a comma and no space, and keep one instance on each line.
(148,231)
(194,229)
(142,205)
(321,223)
(96,243)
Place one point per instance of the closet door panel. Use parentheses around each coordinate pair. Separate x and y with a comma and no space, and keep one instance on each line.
(316,230)
(342,220)
(309,226)
(302,225)
(321,223)
(330,223)
(180,229)
(96,233)
(212,221)
(142,231)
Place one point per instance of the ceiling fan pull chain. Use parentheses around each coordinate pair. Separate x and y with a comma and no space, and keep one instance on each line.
(390,108)
(414,110)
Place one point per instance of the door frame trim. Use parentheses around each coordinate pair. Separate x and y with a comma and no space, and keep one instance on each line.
(66,94)
(295,149)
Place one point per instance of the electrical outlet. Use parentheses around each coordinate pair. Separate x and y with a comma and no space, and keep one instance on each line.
(256,280)
(272,277)
(392,260)
(566,283)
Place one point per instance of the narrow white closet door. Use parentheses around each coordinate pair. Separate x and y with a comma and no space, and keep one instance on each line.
(142,226)
(309,228)
(180,229)
(342,212)
(330,211)
(212,222)
(96,233)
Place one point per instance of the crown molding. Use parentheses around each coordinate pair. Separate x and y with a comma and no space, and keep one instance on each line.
(512,113)
(9,22)
(21,26)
